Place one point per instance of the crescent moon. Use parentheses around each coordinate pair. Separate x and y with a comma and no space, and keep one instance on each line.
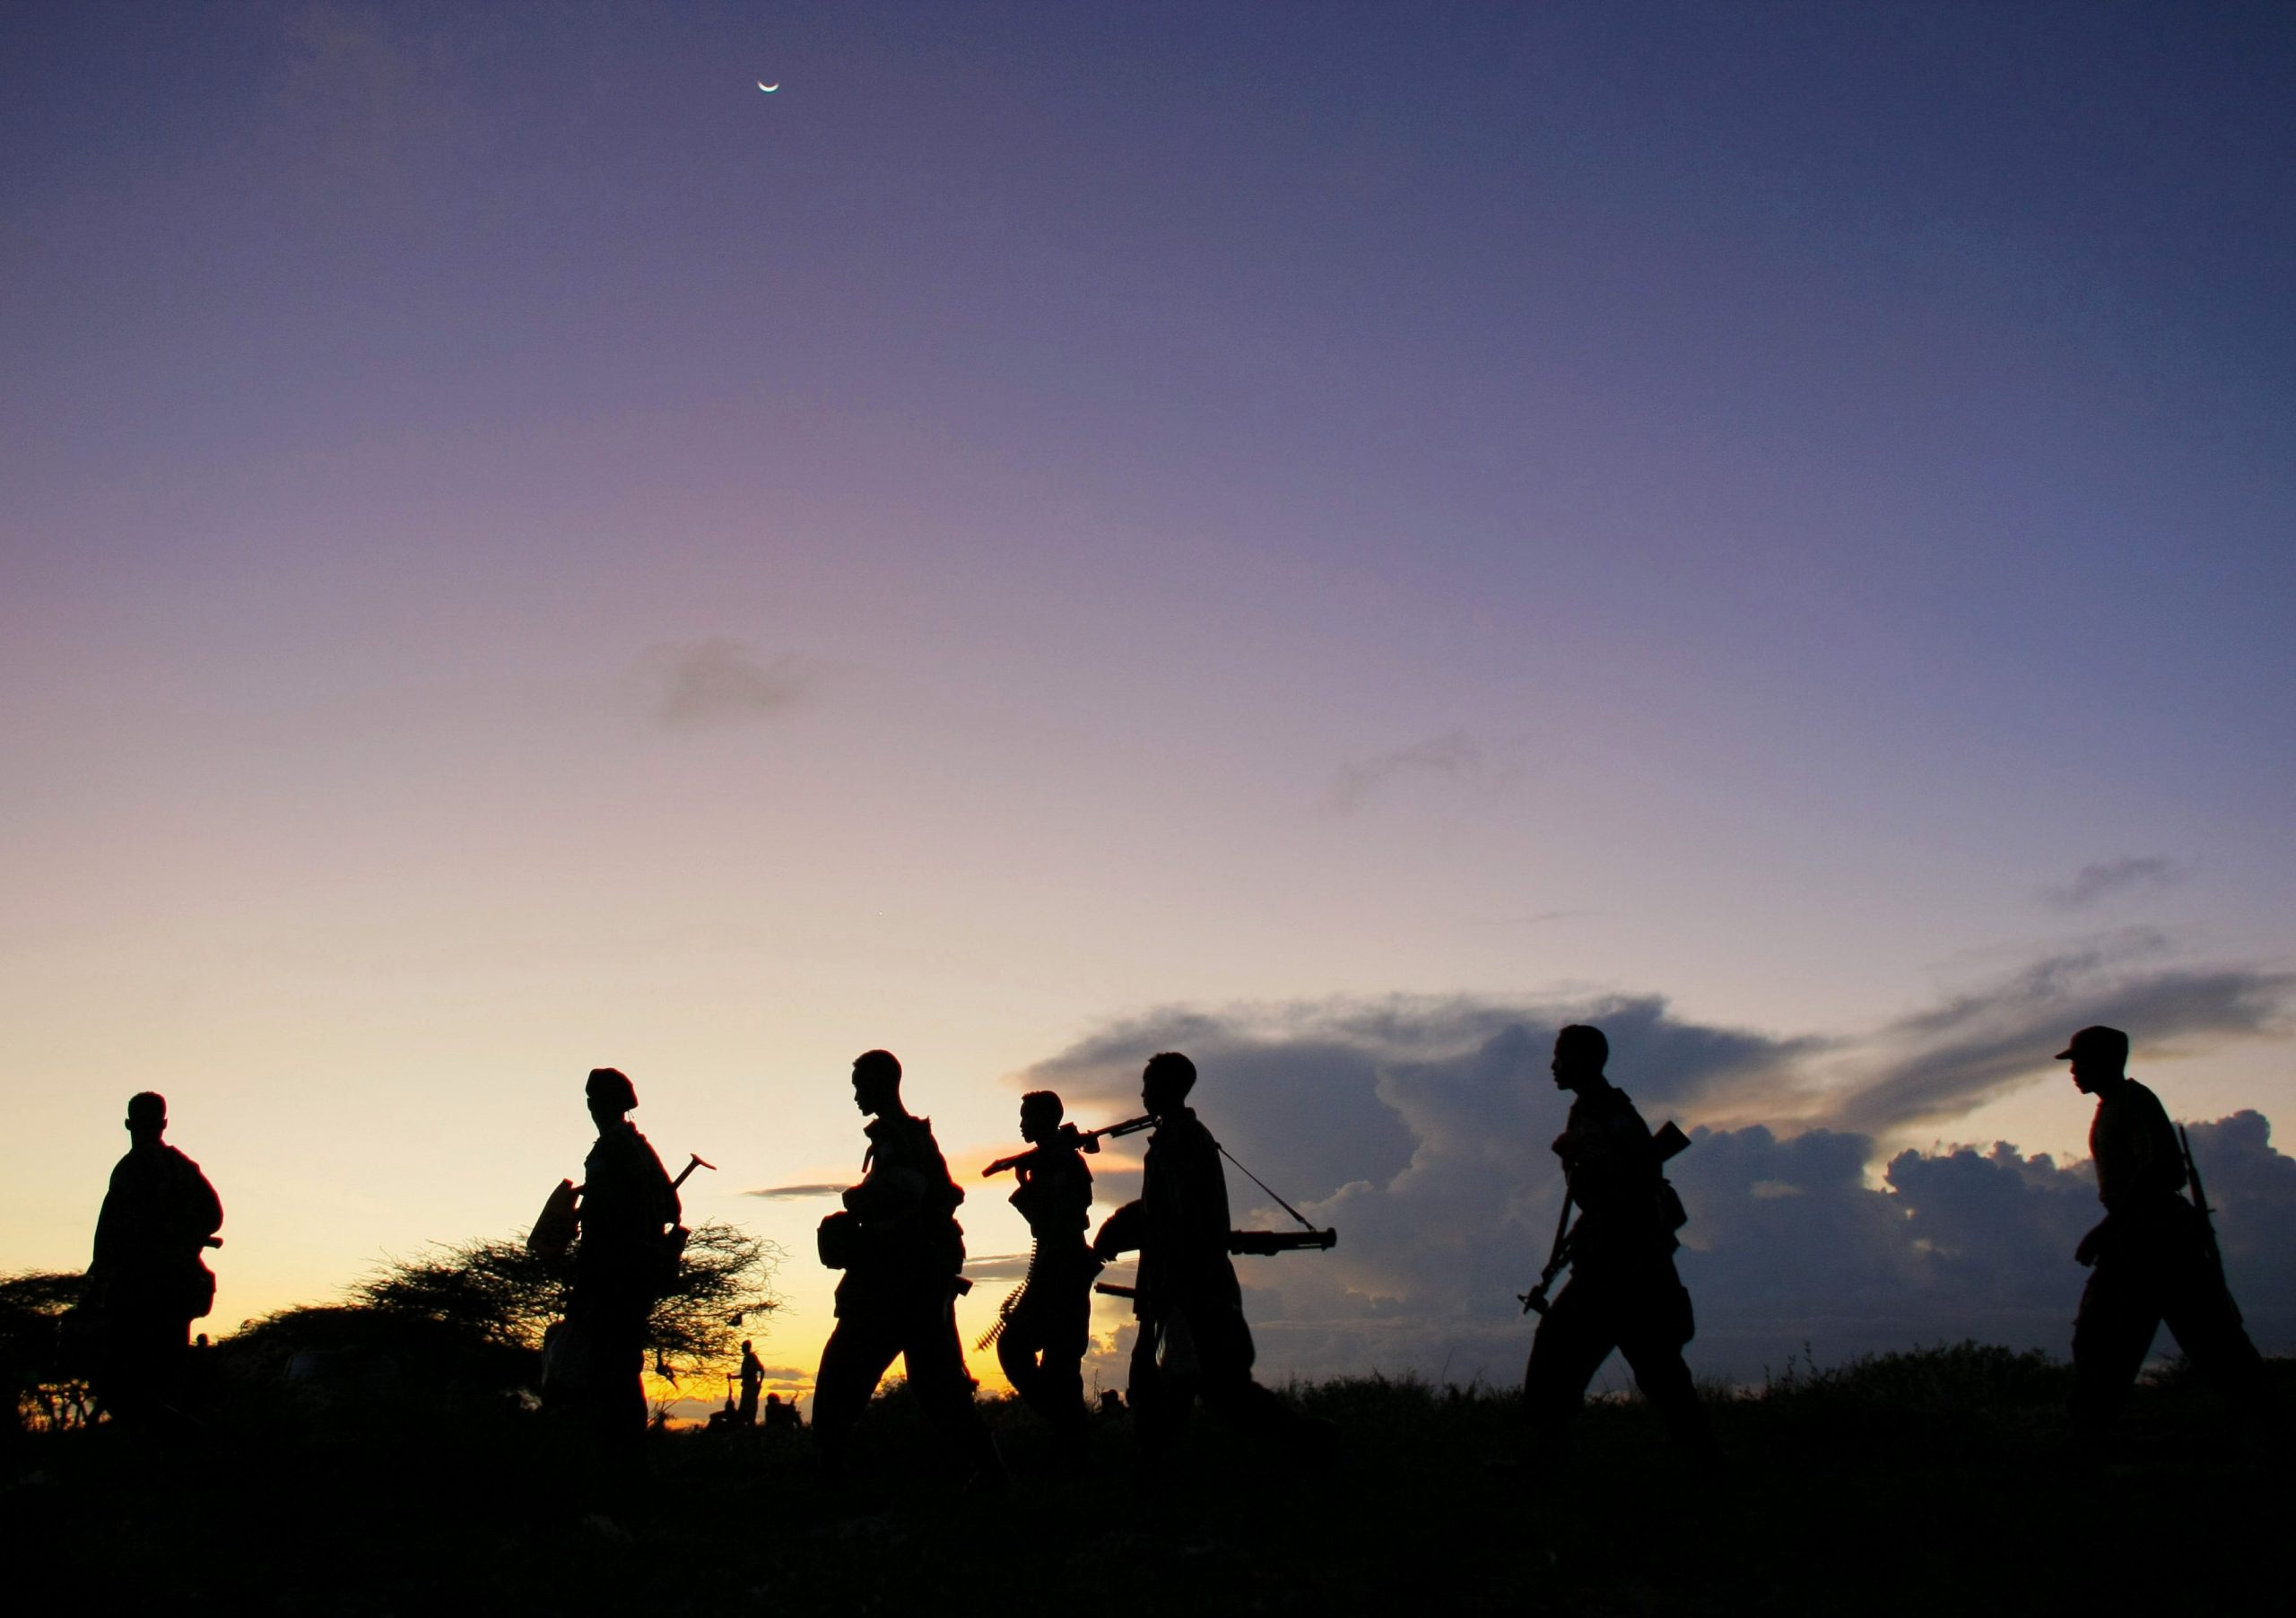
(768,89)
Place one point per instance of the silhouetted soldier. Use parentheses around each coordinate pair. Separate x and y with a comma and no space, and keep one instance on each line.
(625,1260)
(1193,1341)
(1623,1291)
(1045,1330)
(147,1282)
(2152,1257)
(780,1414)
(899,1243)
(752,1379)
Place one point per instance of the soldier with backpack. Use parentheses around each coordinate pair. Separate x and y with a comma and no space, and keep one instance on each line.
(627,1258)
(147,1282)
(1623,1293)
(899,1245)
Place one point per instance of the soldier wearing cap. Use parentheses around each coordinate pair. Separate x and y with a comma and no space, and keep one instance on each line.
(147,1282)
(2150,1259)
(900,1248)
(623,1264)
(1624,1293)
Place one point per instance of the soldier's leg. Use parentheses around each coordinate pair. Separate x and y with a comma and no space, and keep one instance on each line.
(2200,1312)
(860,1347)
(2111,1335)
(138,1367)
(1225,1354)
(1159,1399)
(1575,1336)
(1658,1327)
(1067,1334)
(936,1362)
(1017,1347)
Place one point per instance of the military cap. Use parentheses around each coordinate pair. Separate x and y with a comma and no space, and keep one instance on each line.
(2097,1040)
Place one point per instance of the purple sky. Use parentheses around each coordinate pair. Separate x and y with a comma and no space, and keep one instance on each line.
(520,551)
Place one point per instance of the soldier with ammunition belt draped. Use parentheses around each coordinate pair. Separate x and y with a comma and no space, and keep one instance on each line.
(1045,1327)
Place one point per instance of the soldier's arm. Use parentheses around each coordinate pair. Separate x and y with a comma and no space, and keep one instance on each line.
(1120,1233)
(888,1192)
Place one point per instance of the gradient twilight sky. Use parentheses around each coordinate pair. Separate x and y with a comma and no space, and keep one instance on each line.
(520,552)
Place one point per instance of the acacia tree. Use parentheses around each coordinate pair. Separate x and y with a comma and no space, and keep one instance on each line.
(48,1390)
(509,1296)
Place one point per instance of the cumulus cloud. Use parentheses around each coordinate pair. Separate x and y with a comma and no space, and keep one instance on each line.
(1418,1126)
(716,682)
(2106,878)
(1455,756)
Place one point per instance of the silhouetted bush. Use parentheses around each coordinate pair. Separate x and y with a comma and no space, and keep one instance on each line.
(46,1388)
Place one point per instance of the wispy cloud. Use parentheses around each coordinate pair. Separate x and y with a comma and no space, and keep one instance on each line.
(716,681)
(793,1193)
(1455,756)
(1975,1046)
(2109,877)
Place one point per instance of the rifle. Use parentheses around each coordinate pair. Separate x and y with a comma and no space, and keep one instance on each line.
(2200,1202)
(1072,1139)
(1670,1142)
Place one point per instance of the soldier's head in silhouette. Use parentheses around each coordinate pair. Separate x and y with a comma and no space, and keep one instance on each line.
(1580,1055)
(877,1083)
(1040,1113)
(2100,1058)
(611,1095)
(1165,1081)
(147,1117)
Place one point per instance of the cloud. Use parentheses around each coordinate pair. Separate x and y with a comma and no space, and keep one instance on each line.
(2106,878)
(792,1193)
(1455,756)
(716,681)
(1419,1126)
(1970,1049)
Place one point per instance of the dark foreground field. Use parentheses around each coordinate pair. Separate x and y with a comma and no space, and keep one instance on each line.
(1930,1483)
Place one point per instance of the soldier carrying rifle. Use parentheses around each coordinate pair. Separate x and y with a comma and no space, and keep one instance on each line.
(1193,1341)
(2154,1257)
(1623,1291)
(1044,1329)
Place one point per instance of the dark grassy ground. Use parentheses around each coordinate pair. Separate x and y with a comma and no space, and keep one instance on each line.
(1933,1482)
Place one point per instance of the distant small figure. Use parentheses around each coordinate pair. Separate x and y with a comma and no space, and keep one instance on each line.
(900,1248)
(1193,1342)
(147,1282)
(781,1415)
(1624,1293)
(753,1378)
(2153,1258)
(1111,1402)
(624,1260)
(1046,1326)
